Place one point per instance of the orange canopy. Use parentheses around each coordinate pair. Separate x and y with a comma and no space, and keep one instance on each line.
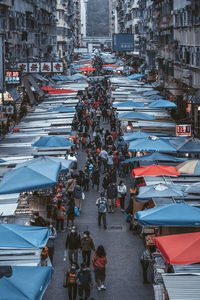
(87,69)
(180,249)
(109,65)
(155,170)
(61,91)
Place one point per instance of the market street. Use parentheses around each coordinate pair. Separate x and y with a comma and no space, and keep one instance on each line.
(124,273)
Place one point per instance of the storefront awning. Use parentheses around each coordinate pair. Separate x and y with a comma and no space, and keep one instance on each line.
(14,94)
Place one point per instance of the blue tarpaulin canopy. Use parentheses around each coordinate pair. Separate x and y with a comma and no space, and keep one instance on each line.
(128,103)
(136,76)
(59,78)
(135,135)
(159,191)
(190,145)
(25,283)
(109,68)
(53,142)
(67,109)
(21,236)
(135,116)
(155,156)
(2,160)
(77,76)
(176,214)
(151,144)
(150,93)
(66,165)
(29,178)
(156,97)
(162,104)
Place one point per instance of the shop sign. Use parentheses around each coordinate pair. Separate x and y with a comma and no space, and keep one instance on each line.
(183,130)
(34,67)
(57,67)
(12,77)
(9,110)
(23,67)
(45,67)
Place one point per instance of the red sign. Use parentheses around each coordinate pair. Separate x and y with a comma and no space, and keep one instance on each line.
(183,130)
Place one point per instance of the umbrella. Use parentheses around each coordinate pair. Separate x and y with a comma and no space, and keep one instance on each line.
(87,69)
(61,91)
(48,88)
(190,145)
(151,143)
(128,104)
(162,104)
(136,76)
(22,236)
(135,116)
(180,249)
(193,188)
(155,170)
(63,109)
(29,178)
(190,167)
(53,142)
(155,156)
(150,93)
(159,190)
(66,165)
(176,214)
(24,282)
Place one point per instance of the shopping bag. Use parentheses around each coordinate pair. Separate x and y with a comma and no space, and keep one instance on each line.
(83,196)
(65,285)
(77,212)
(117,202)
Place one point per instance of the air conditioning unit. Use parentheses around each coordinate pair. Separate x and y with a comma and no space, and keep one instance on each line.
(187,73)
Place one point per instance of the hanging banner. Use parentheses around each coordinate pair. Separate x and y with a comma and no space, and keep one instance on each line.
(45,67)
(23,67)
(12,77)
(34,67)
(57,67)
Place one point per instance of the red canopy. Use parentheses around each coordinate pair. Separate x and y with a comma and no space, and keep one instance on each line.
(180,249)
(155,170)
(61,91)
(109,65)
(87,69)
(48,88)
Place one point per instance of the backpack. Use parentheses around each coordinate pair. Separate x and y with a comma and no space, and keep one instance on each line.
(102,207)
(71,278)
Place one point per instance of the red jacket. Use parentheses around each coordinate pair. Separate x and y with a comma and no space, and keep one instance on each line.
(99,261)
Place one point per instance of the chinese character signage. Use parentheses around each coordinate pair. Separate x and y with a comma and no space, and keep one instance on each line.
(23,67)
(41,67)
(34,67)
(57,67)
(45,67)
(123,42)
(12,77)
(183,130)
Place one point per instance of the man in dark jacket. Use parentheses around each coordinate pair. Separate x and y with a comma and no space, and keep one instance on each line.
(87,245)
(84,281)
(73,244)
(111,195)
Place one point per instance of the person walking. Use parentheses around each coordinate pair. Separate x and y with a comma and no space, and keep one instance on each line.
(102,209)
(104,157)
(51,240)
(87,245)
(84,281)
(71,182)
(71,277)
(78,191)
(60,214)
(145,260)
(111,195)
(73,244)
(99,263)
(121,188)
(96,177)
(70,212)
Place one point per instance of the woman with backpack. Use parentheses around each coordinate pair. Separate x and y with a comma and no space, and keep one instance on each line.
(99,263)
(70,282)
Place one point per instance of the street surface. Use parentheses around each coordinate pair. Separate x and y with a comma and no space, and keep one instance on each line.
(123,274)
